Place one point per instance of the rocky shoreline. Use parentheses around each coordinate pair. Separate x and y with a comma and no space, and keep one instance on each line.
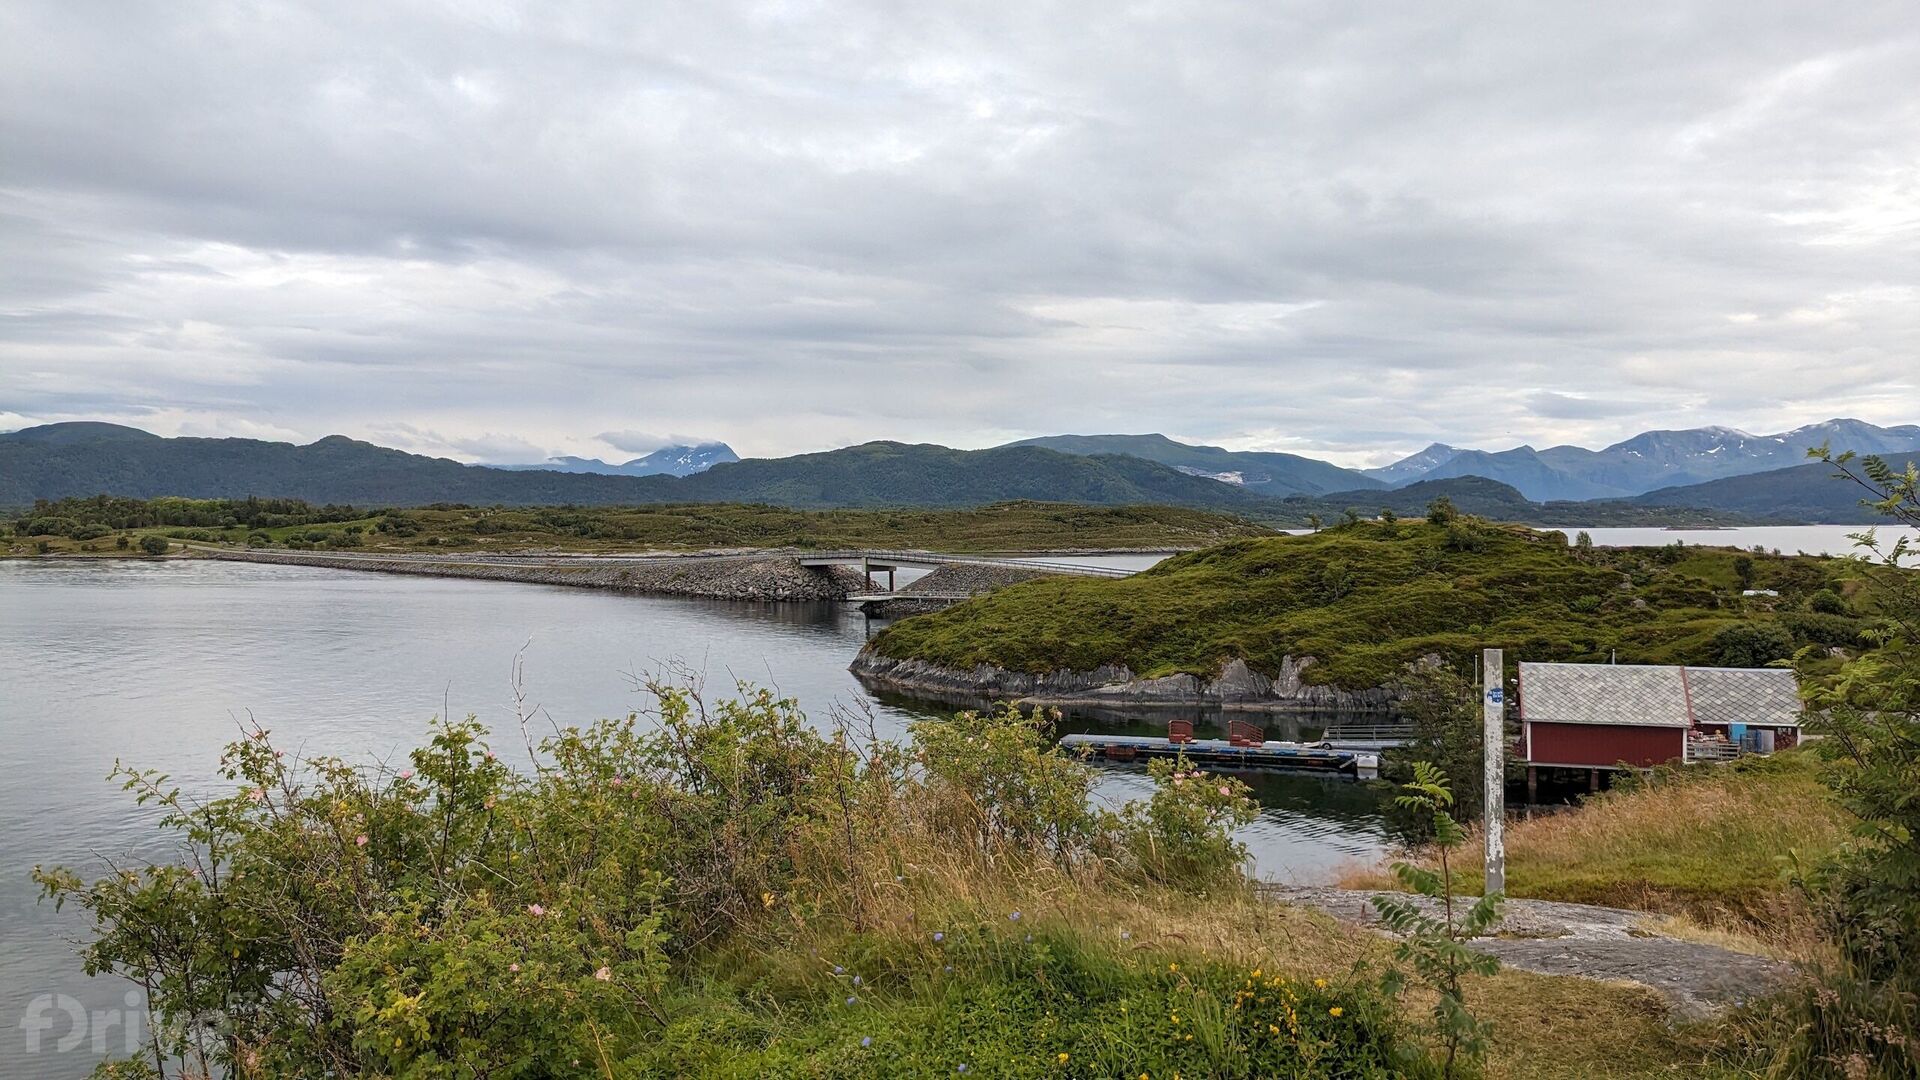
(770,580)
(1235,687)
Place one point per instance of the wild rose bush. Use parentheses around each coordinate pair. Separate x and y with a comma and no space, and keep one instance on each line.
(1183,835)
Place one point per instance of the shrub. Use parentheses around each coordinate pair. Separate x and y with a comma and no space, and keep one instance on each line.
(1003,783)
(90,532)
(154,545)
(1752,645)
(1183,835)
(1828,602)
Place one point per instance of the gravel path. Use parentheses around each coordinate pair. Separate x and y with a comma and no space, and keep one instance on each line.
(1608,944)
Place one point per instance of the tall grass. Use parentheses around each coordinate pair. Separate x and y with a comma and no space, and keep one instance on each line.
(1711,844)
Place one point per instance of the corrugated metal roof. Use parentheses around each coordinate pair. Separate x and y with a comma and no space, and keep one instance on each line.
(1649,695)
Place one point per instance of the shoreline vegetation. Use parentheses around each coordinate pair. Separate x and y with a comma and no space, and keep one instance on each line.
(97,526)
(724,891)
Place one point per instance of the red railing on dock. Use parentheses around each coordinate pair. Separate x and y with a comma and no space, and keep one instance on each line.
(1241,733)
(1179,731)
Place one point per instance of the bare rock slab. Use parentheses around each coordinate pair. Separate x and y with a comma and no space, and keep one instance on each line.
(1609,944)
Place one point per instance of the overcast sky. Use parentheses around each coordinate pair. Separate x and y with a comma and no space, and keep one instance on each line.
(496,231)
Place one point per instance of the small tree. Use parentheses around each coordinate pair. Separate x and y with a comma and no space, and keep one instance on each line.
(1860,1019)
(1743,570)
(153,545)
(1433,945)
(1441,511)
(1583,543)
(1387,516)
(1314,522)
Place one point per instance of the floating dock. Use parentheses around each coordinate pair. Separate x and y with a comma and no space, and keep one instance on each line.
(1323,757)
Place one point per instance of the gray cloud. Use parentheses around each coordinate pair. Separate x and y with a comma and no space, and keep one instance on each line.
(1298,226)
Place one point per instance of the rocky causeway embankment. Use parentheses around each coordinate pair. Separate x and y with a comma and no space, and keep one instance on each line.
(1234,687)
(774,579)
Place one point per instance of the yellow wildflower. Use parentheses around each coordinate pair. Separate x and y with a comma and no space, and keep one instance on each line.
(1256,973)
(1173,967)
(1335,1011)
(1063,1057)
(1319,984)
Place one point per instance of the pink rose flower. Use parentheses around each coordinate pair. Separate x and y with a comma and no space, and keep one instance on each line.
(536,910)
(360,841)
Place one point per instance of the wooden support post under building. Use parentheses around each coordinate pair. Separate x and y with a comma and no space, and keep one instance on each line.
(1533,785)
(1494,782)
(1593,780)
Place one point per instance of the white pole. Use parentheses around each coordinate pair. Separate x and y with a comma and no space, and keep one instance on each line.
(1494,806)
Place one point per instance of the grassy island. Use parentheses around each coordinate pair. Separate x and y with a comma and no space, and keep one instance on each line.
(1366,598)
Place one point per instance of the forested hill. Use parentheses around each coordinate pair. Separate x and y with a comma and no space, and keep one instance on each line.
(1802,493)
(62,460)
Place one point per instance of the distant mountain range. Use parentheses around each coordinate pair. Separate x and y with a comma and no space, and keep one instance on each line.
(1649,461)
(59,460)
(666,461)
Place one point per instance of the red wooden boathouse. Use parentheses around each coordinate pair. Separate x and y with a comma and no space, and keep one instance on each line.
(1608,716)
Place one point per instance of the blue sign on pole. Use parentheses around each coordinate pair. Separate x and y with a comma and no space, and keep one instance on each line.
(1496,694)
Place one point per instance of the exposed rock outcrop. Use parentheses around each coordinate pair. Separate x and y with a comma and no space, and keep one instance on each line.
(1234,686)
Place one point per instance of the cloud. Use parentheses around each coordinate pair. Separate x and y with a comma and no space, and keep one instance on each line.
(1325,229)
(641,442)
(1560,406)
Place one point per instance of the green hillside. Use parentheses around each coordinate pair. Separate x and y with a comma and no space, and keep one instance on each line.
(1262,472)
(1367,598)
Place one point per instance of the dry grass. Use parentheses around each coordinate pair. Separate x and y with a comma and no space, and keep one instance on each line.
(1711,849)
(1546,1027)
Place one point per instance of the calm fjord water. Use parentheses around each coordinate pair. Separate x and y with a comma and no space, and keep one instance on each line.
(159,664)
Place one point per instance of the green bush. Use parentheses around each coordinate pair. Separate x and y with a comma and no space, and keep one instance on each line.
(1828,602)
(1752,645)
(1007,784)
(1183,835)
(90,532)
(154,545)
